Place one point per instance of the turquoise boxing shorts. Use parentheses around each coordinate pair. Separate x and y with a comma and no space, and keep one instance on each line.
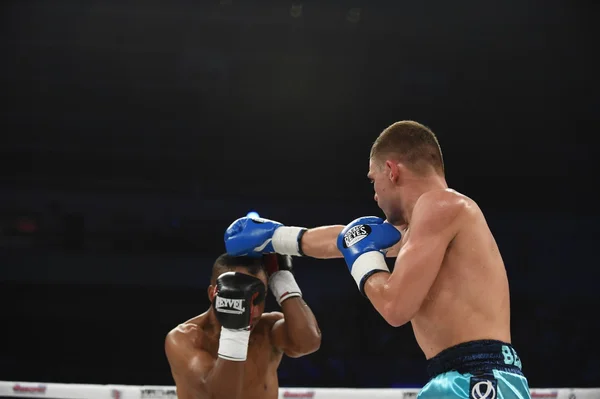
(484,369)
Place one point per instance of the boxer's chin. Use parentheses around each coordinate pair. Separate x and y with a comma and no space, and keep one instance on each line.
(395,220)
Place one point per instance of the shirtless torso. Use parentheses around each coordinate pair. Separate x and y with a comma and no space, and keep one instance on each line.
(192,353)
(449,279)
(469,299)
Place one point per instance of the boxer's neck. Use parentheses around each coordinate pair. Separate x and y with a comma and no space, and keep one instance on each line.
(212,327)
(418,187)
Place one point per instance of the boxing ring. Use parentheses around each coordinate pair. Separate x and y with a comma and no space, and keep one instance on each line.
(41,390)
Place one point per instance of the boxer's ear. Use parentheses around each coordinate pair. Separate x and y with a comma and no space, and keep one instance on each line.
(211,292)
(392,171)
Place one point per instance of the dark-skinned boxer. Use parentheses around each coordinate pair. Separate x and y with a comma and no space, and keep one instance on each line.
(233,350)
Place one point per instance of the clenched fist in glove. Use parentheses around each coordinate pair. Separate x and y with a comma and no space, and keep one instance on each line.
(235,296)
(363,243)
(255,236)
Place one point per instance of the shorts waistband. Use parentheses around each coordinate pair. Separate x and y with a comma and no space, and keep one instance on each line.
(476,357)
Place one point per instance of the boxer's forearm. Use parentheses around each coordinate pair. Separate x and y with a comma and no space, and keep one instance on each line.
(377,290)
(301,325)
(321,242)
(226,379)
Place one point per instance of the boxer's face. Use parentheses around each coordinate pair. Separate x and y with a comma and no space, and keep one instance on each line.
(384,179)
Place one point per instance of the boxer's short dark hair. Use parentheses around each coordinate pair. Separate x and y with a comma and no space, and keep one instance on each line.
(411,143)
(226,263)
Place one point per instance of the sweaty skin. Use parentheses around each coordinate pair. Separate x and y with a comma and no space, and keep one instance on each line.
(192,353)
(449,278)
(199,373)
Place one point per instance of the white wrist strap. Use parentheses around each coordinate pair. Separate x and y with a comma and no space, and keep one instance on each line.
(285,240)
(233,344)
(283,286)
(366,264)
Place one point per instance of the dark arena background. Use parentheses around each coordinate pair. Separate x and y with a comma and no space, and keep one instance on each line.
(135,132)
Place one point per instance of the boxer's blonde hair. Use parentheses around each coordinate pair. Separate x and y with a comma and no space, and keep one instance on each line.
(411,143)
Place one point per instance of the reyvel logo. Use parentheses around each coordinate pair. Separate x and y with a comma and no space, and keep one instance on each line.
(229,305)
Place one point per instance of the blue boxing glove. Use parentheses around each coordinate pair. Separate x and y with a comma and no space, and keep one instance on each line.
(253,236)
(363,243)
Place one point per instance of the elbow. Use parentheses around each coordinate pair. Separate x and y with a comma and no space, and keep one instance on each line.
(310,343)
(396,321)
(314,343)
(394,315)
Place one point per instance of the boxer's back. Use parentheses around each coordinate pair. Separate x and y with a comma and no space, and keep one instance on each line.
(469,299)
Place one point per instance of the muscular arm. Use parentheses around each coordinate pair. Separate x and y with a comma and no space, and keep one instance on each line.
(399,295)
(296,332)
(195,370)
(320,243)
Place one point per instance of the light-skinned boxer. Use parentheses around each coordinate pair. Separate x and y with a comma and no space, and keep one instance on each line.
(449,280)
(233,350)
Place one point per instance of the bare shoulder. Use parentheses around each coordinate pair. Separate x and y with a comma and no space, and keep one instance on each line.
(442,206)
(185,336)
(188,360)
(183,331)
(447,198)
(182,336)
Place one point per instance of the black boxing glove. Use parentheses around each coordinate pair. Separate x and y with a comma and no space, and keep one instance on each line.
(281,280)
(235,296)
(276,262)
